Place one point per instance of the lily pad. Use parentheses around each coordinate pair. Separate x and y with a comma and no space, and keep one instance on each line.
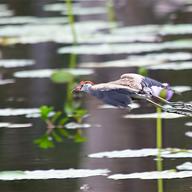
(188,133)
(47,73)
(33,20)
(188,123)
(132,106)
(185,166)
(19,111)
(148,152)
(51,174)
(164,115)
(181,89)
(167,174)
(124,63)
(74,125)
(6,81)
(11,63)
(77,9)
(14,125)
(172,66)
(5,11)
(131,48)
(176,56)
(168,29)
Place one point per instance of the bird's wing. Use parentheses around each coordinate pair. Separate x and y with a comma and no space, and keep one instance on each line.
(130,80)
(118,99)
(113,94)
(148,82)
(113,86)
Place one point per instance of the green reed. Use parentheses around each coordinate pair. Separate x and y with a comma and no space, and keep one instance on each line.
(73,57)
(111,15)
(72,111)
(71,20)
(159,140)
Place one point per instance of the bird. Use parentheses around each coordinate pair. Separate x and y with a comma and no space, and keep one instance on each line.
(130,87)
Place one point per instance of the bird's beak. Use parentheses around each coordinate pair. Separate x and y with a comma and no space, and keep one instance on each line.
(73,91)
(77,89)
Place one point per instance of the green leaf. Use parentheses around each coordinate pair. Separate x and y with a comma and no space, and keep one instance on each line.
(62,76)
(143,71)
(44,142)
(79,138)
(63,121)
(56,116)
(63,132)
(68,109)
(81,112)
(56,137)
(44,111)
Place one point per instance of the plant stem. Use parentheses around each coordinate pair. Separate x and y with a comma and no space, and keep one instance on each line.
(159,164)
(71,19)
(111,13)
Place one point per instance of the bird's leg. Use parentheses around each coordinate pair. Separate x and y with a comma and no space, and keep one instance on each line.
(148,91)
(167,102)
(170,110)
(154,103)
(177,105)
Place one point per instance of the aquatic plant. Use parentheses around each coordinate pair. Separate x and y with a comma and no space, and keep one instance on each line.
(159,141)
(56,121)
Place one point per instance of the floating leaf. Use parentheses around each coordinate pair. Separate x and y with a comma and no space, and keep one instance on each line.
(15,125)
(130,48)
(181,89)
(172,66)
(125,63)
(164,115)
(46,73)
(168,29)
(188,133)
(188,124)
(11,63)
(62,76)
(77,9)
(175,56)
(167,174)
(185,166)
(52,174)
(44,142)
(128,153)
(19,111)
(73,125)
(37,33)
(6,81)
(132,106)
(33,20)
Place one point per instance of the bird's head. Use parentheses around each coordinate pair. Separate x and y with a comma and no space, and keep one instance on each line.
(83,86)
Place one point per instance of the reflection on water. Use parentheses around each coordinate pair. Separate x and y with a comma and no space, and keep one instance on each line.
(29,50)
